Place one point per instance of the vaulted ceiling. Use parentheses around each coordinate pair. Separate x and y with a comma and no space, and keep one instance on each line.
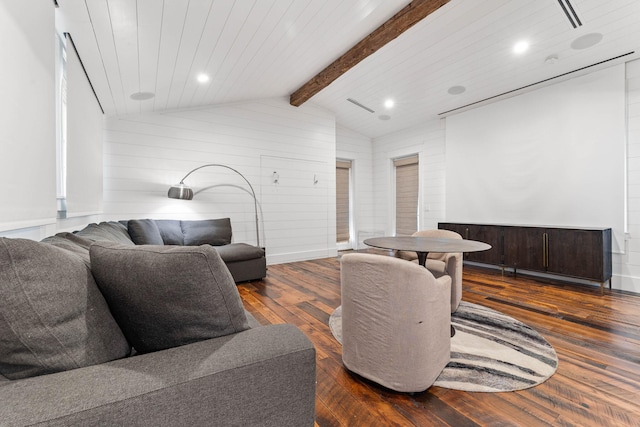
(254,49)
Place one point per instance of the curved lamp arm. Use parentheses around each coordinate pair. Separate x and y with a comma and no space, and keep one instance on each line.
(184,192)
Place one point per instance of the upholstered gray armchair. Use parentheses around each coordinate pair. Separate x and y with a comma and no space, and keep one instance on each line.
(396,319)
(440,264)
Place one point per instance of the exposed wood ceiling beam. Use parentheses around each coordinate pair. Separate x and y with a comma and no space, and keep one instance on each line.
(411,14)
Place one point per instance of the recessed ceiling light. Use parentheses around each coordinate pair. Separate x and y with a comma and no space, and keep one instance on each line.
(389,103)
(384,117)
(521,47)
(586,41)
(142,96)
(202,78)
(456,90)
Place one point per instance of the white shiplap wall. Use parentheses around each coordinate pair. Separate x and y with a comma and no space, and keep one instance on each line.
(145,154)
(358,148)
(428,141)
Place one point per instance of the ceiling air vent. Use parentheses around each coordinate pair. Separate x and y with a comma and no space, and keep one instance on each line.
(353,101)
(572,16)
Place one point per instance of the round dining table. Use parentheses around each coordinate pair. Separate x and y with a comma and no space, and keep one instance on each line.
(423,245)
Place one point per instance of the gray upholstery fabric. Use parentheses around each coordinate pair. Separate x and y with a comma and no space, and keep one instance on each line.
(251,269)
(396,321)
(239,252)
(144,232)
(111,231)
(171,231)
(166,296)
(73,243)
(440,264)
(214,232)
(52,316)
(259,377)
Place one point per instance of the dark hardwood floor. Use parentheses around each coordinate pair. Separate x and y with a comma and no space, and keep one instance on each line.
(597,339)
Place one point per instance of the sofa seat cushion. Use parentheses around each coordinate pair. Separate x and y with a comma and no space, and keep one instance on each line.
(52,315)
(167,296)
(239,252)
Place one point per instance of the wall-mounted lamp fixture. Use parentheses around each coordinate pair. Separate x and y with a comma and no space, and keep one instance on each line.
(184,192)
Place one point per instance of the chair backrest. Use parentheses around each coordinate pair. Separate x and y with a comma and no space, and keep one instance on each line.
(395,321)
(437,234)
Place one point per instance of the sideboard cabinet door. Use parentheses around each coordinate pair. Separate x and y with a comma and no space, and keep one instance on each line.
(524,248)
(577,253)
(491,234)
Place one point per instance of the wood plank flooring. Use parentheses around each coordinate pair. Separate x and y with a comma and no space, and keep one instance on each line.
(597,339)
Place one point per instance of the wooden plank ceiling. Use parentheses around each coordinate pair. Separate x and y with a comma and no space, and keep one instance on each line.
(413,13)
(258,49)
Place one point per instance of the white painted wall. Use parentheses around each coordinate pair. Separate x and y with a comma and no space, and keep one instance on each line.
(358,148)
(429,141)
(145,154)
(626,267)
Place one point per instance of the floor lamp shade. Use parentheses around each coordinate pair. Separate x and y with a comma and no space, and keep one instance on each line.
(180,191)
(184,192)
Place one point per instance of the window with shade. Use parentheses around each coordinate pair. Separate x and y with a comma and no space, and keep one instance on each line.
(343,173)
(407,185)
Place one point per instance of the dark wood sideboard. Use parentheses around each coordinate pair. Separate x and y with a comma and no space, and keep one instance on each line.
(583,253)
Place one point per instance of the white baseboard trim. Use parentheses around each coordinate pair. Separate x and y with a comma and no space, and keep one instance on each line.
(300,256)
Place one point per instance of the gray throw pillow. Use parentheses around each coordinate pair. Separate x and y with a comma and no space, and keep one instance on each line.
(144,232)
(216,232)
(52,315)
(167,296)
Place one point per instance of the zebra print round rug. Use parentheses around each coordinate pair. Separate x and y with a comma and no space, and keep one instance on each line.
(490,351)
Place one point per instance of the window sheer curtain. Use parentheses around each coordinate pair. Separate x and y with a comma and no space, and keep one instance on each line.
(84,142)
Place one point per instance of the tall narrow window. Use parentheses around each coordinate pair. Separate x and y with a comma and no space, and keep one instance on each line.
(61,129)
(343,173)
(407,185)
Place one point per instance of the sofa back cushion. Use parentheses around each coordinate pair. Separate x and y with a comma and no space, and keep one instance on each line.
(171,231)
(111,231)
(166,296)
(144,232)
(52,315)
(216,232)
(73,243)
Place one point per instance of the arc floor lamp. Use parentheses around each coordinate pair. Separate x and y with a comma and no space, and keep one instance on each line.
(184,192)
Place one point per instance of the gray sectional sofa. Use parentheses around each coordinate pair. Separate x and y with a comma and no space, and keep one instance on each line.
(245,262)
(96,331)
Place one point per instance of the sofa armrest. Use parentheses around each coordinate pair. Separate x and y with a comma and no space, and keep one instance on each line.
(259,377)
